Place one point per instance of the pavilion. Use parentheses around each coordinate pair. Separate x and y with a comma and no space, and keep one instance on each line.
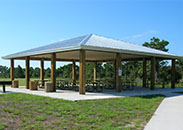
(92,48)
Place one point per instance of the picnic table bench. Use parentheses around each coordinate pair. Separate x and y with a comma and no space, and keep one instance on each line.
(4,83)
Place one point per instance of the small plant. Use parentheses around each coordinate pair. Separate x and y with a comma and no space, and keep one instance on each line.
(40,118)
(2,126)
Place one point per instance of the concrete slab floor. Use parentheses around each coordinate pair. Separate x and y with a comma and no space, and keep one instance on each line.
(75,96)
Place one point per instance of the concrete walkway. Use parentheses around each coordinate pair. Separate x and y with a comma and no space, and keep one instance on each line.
(169,115)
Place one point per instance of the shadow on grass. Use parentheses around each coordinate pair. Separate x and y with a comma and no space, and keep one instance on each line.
(181,92)
(151,96)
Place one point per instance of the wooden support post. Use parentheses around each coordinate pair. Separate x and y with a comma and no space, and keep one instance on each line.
(173,74)
(95,72)
(42,72)
(74,72)
(153,66)
(82,72)
(53,71)
(12,70)
(27,77)
(114,72)
(118,77)
(144,72)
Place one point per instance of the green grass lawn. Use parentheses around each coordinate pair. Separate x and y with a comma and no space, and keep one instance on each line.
(21,80)
(30,112)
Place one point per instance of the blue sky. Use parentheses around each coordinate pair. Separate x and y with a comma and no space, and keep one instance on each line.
(29,24)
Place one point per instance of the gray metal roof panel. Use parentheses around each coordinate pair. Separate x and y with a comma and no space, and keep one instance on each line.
(60,44)
(51,47)
(103,42)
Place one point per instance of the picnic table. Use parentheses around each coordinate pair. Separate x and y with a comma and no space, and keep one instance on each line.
(92,86)
(4,83)
(128,85)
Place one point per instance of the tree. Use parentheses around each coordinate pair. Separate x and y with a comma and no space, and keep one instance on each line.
(31,71)
(47,72)
(179,69)
(36,73)
(67,71)
(100,71)
(158,44)
(89,71)
(164,75)
(179,65)
(59,71)
(108,70)
(19,72)
(4,71)
(131,70)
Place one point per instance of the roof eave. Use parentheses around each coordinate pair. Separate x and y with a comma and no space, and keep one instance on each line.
(70,48)
(77,47)
(130,52)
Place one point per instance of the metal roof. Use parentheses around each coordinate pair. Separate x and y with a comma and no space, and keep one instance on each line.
(94,42)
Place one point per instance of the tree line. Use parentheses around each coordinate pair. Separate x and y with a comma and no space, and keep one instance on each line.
(131,70)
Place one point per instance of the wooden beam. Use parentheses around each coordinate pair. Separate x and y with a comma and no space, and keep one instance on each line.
(53,71)
(12,69)
(118,77)
(173,74)
(42,72)
(144,72)
(27,76)
(95,72)
(70,60)
(133,59)
(74,72)
(82,72)
(153,66)
(49,59)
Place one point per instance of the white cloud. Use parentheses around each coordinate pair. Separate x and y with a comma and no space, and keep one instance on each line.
(141,35)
